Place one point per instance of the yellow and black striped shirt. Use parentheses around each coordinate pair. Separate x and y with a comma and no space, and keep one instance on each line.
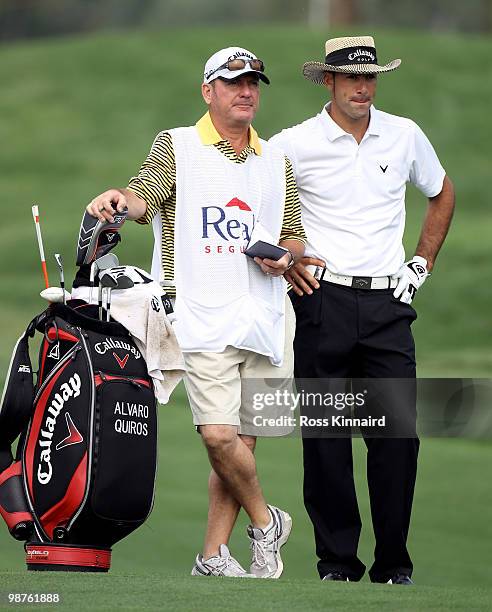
(156,185)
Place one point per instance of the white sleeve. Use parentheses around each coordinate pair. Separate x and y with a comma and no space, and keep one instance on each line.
(426,172)
(283,142)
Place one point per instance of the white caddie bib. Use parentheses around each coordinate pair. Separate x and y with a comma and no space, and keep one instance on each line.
(222,296)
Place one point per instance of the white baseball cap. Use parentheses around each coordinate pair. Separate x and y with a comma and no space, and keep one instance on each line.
(222,64)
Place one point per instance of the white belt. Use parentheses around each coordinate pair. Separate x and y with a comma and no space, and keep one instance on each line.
(356,282)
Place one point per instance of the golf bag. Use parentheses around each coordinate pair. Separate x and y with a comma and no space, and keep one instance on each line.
(84,469)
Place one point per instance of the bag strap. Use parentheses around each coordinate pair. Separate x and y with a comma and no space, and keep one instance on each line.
(18,393)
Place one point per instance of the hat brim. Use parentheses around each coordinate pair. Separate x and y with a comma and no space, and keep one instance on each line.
(315,71)
(231,76)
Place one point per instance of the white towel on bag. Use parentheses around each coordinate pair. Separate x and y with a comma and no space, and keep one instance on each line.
(141,312)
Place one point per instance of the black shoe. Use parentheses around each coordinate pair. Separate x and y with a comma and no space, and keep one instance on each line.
(336,576)
(400,579)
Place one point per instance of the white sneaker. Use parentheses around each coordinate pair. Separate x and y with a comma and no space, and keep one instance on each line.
(222,564)
(265,545)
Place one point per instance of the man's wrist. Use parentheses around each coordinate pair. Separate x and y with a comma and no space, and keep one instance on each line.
(292,260)
(424,260)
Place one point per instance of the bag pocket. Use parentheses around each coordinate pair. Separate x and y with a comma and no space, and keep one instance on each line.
(126,448)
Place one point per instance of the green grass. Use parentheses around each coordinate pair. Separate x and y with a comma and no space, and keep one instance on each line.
(79,115)
(156,592)
(449,540)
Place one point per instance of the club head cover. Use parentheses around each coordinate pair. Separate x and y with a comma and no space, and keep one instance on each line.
(97,238)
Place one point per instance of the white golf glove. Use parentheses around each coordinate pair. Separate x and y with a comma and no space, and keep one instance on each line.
(410,276)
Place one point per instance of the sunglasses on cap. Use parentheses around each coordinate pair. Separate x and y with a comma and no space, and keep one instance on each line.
(238,64)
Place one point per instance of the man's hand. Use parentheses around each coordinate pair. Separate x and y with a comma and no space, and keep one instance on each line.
(411,277)
(300,279)
(275,268)
(104,205)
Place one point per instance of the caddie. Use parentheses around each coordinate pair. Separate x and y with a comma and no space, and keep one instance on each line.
(204,188)
(352,162)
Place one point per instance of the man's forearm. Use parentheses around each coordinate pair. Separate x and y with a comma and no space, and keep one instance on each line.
(436,223)
(136,206)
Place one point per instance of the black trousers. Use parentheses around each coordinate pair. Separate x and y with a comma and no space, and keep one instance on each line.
(344,333)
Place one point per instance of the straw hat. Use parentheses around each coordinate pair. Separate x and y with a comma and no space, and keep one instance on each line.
(349,54)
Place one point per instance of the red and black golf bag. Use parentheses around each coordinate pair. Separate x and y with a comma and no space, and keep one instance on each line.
(84,468)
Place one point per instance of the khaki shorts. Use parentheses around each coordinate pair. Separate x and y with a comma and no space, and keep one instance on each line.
(225,388)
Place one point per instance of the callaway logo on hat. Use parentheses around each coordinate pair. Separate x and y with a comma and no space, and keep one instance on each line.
(231,63)
(349,54)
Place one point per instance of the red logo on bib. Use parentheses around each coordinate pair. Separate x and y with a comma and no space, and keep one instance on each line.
(239,203)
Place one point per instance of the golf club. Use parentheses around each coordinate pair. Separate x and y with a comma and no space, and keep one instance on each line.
(98,237)
(91,281)
(108,303)
(120,278)
(125,282)
(114,278)
(106,281)
(37,225)
(59,261)
(106,261)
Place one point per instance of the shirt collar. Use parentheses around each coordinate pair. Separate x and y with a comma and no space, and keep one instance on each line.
(374,127)
(331,129)
(334,131)
(209,135)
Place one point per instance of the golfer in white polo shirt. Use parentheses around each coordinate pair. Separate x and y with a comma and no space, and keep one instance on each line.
(205,188)
(352,163)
